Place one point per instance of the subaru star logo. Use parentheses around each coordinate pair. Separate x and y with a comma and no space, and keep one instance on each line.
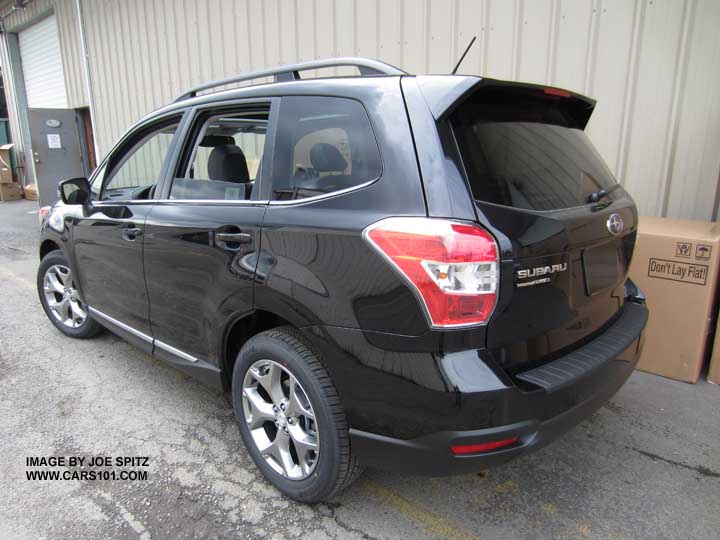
(615,224)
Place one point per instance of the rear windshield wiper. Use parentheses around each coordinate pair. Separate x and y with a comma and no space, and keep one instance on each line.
(595,196)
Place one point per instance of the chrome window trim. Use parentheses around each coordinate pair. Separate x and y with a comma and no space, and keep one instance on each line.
(143,336)
(325,195)
(224,202)
(123,202)
(127,328)
(243,202)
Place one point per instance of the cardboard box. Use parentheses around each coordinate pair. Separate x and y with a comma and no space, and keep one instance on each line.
(31,192)
(6,176)
(676,264)
(714,372)
(10,192)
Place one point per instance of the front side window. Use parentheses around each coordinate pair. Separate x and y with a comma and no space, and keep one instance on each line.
(225,158)
(134,172)
(323,145)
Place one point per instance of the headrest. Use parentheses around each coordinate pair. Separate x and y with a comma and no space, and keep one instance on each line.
(327,158)
(211,141)
(227,163)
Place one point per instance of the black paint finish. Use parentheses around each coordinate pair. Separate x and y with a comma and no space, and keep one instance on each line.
(195,281)
(307,263)
(108,261)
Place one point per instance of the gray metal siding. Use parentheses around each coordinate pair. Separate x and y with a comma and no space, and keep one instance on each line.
(70,48)
(653,65)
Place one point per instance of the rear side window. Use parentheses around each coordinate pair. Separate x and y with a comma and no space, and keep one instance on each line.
(524,151)
(224,161)
(323,145)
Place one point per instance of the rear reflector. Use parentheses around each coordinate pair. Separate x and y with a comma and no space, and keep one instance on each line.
(484,447)
(453,266)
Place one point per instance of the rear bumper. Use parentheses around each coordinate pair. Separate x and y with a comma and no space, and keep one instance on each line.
(557,408)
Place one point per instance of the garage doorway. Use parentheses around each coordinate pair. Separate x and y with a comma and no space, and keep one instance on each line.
(42,66)
(61,139)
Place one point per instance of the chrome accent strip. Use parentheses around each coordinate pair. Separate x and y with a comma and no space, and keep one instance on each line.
(176,352)
(138,333)
(324,195)
(246,202)
(223,202)
(111,202)
(130,329)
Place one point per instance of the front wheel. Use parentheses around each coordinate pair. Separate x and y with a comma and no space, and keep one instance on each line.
(60,300)
(290,415)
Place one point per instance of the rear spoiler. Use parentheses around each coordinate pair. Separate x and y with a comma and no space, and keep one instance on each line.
(445,93)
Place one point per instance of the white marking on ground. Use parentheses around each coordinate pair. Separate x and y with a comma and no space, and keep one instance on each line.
(135,524)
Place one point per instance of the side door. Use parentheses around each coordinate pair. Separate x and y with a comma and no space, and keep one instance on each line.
(108,243)
(55,141)
(202,236)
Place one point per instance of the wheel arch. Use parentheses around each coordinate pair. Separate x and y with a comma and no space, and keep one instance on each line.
(237,331)
(48,246)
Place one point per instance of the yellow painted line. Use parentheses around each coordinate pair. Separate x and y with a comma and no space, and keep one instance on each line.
(549,508)
(506,487)
(17,279)
(437,525)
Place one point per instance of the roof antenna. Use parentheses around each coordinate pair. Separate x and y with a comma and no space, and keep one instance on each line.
(463,55)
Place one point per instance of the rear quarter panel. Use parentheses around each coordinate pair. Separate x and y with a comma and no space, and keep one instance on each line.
(315,268)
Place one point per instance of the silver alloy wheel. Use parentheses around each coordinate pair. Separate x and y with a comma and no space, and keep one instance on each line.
(62,298)
(281,419)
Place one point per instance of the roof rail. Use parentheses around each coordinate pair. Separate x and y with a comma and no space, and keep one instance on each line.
(366,66)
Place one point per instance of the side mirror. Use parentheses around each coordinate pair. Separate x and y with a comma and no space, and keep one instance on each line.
(75,191)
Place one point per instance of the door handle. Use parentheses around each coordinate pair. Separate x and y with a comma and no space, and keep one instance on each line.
(232,241)
(131,233)
(240,238)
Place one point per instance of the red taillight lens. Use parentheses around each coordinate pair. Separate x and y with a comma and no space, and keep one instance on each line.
(483,447)
(452,265)
(557,92)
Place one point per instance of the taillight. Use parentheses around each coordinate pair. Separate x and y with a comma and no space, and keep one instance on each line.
(452,265)
(559,92)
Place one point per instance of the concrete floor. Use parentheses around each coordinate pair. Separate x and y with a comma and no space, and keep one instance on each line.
(645,466)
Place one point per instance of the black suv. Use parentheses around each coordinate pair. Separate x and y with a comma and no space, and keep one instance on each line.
(425,273)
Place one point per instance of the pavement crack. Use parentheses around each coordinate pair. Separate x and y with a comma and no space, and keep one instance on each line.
(332,507)
(704,471)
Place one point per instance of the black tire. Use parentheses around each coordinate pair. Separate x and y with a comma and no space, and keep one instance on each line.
(336,467)
(89,328)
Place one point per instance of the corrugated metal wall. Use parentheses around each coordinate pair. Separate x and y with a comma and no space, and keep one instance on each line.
(70,48)
(653,65)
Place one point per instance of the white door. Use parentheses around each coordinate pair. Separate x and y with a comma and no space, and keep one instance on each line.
(42,65)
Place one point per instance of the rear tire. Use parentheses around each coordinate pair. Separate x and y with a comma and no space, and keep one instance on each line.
(59,298)
(305,453)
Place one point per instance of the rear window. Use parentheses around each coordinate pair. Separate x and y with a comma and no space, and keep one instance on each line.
(526,151)
(323,145)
